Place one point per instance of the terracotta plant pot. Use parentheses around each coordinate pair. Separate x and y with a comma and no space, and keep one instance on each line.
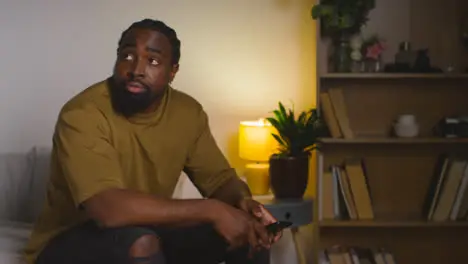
(289,176)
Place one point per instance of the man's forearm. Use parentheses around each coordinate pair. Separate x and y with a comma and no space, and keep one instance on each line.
(232,192)
(115,208)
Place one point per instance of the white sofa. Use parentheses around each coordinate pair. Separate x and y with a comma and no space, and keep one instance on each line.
(22,188)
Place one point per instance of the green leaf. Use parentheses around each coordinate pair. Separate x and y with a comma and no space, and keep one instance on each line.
(291,118)
(328,10)
(279,127)
(279,116)
(346,21)
(316,11)
(275,123)
(302,120)
(280,140)
(282,110)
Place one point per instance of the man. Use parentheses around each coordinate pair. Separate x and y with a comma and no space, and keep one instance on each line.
(118,150)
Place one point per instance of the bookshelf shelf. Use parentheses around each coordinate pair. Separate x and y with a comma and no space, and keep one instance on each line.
(391,224)
(383,140)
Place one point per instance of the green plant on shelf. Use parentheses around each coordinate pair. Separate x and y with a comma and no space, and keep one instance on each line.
(297,136)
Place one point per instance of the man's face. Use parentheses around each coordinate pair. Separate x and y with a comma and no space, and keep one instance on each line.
(142,71)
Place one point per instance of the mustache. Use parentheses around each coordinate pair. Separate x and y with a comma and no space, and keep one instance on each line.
(137,82)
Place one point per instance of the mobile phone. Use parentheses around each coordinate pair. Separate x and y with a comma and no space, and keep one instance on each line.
(276,227)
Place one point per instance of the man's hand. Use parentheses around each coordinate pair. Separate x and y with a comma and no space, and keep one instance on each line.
(237,227)
(257,210)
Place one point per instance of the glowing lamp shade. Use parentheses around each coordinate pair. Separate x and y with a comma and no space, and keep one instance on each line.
(255,140)
(256,144)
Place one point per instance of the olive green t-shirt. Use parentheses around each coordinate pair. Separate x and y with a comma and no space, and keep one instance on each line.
(95,149)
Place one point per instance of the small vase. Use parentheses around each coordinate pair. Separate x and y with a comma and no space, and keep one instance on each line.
(357,66)
(406,126)
(373,65)
(341,57)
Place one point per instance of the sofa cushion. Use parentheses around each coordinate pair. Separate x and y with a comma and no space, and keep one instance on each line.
(15,177)
(13,238)
(23,180)
(39,179)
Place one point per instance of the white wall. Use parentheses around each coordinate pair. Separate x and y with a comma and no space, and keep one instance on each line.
(239,58)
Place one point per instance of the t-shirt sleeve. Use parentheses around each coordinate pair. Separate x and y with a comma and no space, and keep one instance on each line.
(206,165)
(88,161)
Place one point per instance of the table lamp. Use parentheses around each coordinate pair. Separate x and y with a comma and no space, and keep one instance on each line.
(256,144)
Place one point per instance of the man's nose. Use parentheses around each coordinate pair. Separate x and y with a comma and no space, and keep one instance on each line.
(138,69)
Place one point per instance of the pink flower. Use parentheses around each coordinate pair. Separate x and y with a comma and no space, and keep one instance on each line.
(375,50)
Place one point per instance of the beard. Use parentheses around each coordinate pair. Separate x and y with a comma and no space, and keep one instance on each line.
(127,103)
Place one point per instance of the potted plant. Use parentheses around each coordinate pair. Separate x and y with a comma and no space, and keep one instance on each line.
(340,20)
(297,138)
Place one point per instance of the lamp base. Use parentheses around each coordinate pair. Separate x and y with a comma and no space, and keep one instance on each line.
(258,178)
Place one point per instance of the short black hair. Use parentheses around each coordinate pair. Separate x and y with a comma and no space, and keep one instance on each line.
(162,28)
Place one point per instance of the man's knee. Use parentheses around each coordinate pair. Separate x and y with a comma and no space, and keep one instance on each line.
(146,250)
(144,245)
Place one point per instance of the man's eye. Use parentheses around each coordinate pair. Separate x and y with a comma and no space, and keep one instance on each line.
(126,56)
(153,62)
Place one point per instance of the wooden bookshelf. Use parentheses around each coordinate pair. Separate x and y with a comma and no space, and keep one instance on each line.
(398,170)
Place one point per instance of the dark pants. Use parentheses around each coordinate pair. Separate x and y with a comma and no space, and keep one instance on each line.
(89,244)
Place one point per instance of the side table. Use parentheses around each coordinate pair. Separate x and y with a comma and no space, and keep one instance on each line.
(297,211)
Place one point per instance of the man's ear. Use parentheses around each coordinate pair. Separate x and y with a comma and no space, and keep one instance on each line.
(175,69)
